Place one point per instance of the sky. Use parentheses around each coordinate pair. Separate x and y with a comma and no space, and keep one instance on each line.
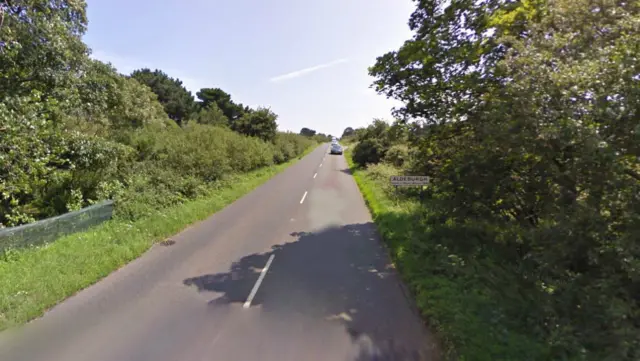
(306,60)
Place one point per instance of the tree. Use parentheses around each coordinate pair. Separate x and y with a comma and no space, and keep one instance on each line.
(307,132)
(369,151)
(532,112)
(108,98)
(260,123)
(223,100)
(212,115)
(348,131)
(177,101)
(398,132)
(452,56)
(41,47)
(378,129)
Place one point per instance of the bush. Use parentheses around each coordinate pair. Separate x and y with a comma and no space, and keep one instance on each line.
(46,170)
(369,151)
(175,165)
(260,123)
(290,145)
(397,155)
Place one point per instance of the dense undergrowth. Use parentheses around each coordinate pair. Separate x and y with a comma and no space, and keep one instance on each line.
(458,300)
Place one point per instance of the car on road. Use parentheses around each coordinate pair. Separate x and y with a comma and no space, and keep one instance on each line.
(336,148)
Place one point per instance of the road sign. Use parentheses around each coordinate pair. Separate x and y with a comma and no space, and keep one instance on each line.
(409,180)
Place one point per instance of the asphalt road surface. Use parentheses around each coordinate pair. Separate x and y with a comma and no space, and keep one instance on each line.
(293,271)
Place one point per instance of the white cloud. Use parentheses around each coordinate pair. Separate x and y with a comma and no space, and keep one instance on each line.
(301,72)
(126,65)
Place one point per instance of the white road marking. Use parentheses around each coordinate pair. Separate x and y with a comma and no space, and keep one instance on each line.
(320,164)
(247,304)
(315,175)
(303,197)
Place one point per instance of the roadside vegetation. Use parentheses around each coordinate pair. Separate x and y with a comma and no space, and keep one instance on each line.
(34,279)
(74,132)
(525,116)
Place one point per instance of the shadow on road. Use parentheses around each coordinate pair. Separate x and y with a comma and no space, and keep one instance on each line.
(347,171)
(339,274)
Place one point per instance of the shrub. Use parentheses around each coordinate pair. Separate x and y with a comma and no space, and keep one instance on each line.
(45,170)
(368,151)
(397,155)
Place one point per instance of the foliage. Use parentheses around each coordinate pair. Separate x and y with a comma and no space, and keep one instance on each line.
(223,100)
(177,100)
(397,155)
(289,145)
(322,138)
(369,151)
(175,166)
(379,138)
(348,131)
(108,98)
(319,137)
(457,306)
(73,131)
(307,132)
(452,56)
(43,167)
(525,116)
(41,47)
(260,123)
(211,114)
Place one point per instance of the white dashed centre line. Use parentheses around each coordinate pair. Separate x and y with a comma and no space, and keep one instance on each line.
(315,175)
(247,304)
(303,197)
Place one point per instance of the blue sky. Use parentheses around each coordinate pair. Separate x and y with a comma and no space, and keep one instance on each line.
(307,60)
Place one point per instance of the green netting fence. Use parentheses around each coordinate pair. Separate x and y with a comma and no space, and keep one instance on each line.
(50,229)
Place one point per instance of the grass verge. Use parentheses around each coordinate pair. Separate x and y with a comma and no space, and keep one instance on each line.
(454,298)
(35,279)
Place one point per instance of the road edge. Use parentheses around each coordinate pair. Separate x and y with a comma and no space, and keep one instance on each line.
(400,278)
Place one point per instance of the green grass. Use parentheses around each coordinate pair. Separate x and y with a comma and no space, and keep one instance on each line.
(33,280)
(465,313)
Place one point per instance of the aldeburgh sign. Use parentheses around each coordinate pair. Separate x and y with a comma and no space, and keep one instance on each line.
(409,180)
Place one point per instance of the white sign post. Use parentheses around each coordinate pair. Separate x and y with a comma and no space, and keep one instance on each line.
(410,181)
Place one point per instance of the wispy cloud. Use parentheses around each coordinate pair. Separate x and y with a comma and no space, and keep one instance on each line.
(301,72)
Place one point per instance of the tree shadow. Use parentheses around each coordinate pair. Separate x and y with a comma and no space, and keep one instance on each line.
(347,171)
(339,274)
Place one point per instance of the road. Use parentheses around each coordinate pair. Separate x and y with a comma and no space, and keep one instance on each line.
(329,292)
